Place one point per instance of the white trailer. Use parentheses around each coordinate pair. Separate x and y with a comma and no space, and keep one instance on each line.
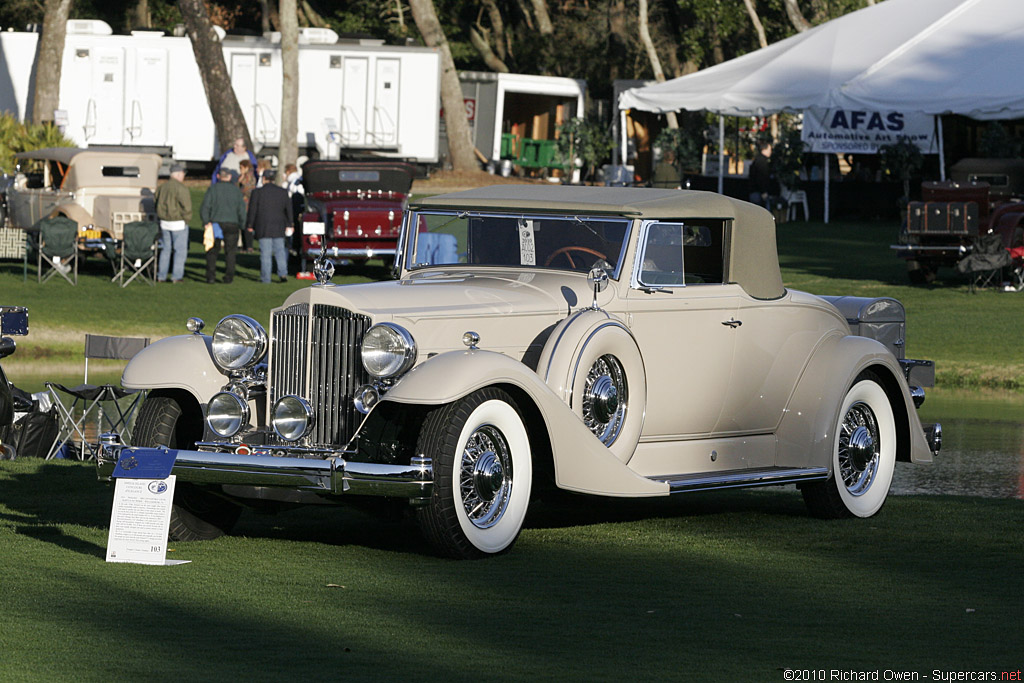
(144,91)
(518,106)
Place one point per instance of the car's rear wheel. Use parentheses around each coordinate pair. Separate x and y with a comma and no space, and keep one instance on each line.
(480,453)
(197,515)
(863,455)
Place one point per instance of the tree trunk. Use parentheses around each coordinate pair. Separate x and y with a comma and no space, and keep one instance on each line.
(314,19)
(48,60)
(227,115)
(141,17)
(796,17)
(540,11)
(484,48)
(460,142)
(288,151)
(652,54)
(264,15)
(497,27)
(756,20)
(618,38)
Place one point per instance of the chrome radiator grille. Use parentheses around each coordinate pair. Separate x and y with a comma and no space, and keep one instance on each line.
(317,357)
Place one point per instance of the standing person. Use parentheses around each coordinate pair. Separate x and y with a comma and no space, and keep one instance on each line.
(232,157)
(270,215)
(261,168)
(174,209)
(296,192)
(246,183)
(761,176)
(223,212)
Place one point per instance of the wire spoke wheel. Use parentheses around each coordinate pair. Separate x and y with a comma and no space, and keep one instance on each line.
(605,398)
(858,448)
(485,478)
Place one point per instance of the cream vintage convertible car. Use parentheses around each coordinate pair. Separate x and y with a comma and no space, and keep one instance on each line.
(606,341)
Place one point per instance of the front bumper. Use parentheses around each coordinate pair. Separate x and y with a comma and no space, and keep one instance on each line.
(333,475)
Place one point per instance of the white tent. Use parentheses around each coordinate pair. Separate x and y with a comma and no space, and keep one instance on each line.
(967,63)
(931,56)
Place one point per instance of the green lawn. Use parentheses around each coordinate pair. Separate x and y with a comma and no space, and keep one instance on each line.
(732,587)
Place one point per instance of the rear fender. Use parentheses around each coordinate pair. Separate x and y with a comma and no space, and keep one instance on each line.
(581,462)
(181,362)
(806,434)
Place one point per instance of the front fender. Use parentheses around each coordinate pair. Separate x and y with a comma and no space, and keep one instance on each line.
(582,463)
(181,362)
(806,433)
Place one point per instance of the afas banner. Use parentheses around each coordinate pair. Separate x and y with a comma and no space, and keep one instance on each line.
(849,131)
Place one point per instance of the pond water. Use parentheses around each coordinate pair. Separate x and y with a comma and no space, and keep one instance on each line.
(982,450)
(982,446)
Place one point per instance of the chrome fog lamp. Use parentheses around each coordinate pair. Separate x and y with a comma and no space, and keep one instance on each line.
(388,350)
(366,398)
(238,342)
(292,417)
(227,413)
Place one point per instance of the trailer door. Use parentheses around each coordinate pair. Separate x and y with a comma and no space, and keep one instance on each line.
(104,118)
(146,104)
(243,81)
(353,102)
(384,131)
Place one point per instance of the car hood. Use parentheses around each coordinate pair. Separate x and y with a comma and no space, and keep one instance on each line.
(508,308)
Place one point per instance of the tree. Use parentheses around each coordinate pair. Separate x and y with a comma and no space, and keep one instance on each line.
(48,60)
(227,115)
(756,21)
(652,54)
(796,17)
(460,142)
(288,150)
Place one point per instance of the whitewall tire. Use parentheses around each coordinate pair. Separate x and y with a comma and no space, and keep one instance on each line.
(863,455)
(483,470)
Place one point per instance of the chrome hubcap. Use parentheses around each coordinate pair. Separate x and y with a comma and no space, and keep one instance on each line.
(605,398)
(485,476)
(858,448)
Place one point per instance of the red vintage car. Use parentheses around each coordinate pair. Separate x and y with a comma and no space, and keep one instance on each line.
(353,209)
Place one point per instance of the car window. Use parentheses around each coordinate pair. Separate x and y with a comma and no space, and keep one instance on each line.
(678,254)
(120,171)
(562,242)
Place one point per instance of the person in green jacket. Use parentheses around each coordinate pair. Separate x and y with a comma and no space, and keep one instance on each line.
(223,215)
(173,209)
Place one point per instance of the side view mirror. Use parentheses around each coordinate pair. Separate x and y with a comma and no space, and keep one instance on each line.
(598,279)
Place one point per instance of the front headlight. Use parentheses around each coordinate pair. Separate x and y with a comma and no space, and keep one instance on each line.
(388,350)
(238,342)
(226,414)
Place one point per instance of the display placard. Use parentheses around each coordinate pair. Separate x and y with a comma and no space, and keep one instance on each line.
(139,521)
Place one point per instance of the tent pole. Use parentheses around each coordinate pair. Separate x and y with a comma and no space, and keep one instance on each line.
(828,173)
(622,136)
(942,152)
(721,152)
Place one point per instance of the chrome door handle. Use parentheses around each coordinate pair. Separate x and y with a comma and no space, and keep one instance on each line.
(732,322)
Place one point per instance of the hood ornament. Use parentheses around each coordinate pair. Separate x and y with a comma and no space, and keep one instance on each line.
(323,268)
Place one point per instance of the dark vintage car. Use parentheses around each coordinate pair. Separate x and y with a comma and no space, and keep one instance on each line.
(353,209)
(981,197)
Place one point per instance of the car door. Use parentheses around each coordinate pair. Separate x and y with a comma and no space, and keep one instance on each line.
(682,317)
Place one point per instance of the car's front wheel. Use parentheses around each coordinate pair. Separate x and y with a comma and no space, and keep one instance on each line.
(197,515)
(480,453)
(863,455)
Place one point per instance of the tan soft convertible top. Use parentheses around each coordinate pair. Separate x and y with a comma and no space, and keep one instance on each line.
(753,256)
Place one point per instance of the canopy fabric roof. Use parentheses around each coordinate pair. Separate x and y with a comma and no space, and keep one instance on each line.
(932,56)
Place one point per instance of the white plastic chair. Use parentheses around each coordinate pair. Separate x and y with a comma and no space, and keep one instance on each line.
(794,200)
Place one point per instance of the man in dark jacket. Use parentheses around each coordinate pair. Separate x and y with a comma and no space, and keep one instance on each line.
(761,176)
(270,217)
(223,208)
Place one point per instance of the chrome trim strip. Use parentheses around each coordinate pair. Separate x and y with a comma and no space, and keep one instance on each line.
(572,319)
(333,475)
(334,252)
(740,478)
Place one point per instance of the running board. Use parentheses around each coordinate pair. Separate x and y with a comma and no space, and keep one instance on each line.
(728,479)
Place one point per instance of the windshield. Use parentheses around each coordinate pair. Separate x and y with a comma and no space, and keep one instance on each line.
(575,243)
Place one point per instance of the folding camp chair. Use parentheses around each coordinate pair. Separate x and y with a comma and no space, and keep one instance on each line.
(58,248)
(99,405)
(138,252)
(985,263)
